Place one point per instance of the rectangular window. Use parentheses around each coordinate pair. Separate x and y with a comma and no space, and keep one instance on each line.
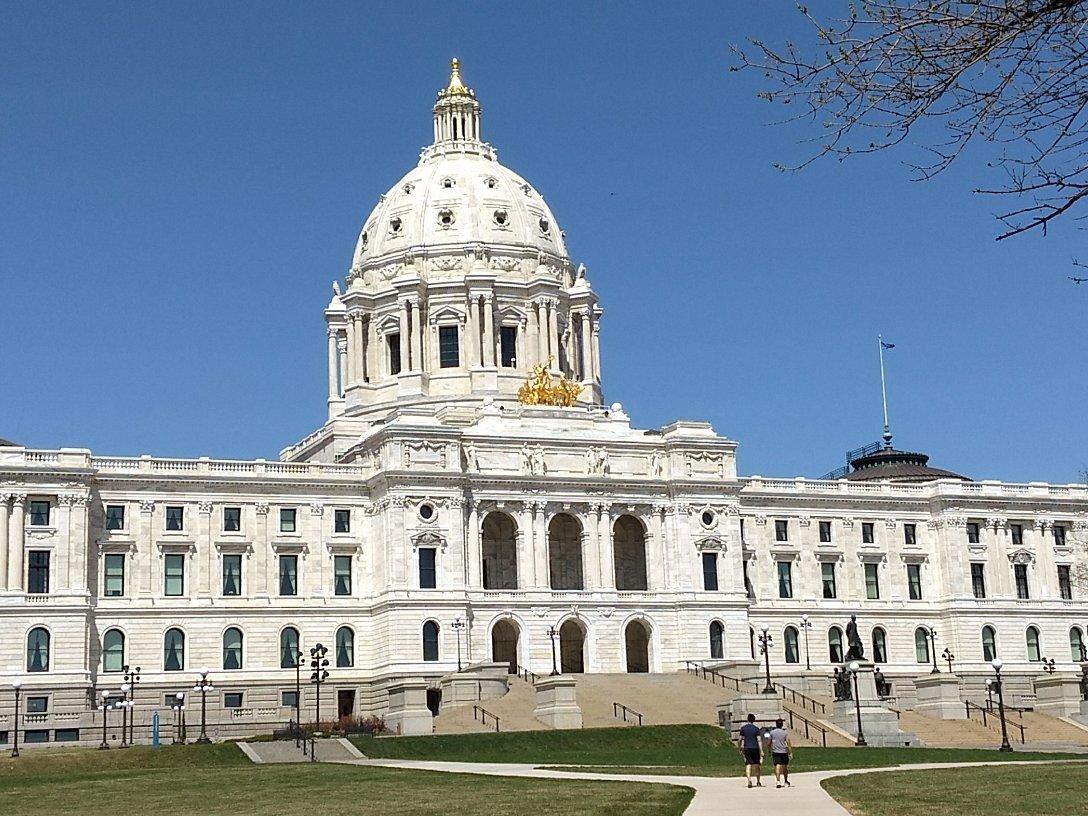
(392,343)
(39,513)
(174,583)
(914,581)
(288,699)
(115,517)
(36,736)
(978,579)
(449,355)
(341,567)
(1017,532)
(1059,535)
(66,735)
(1020,573)
(232,574)
(232,699)
(827,575)
(37,578)
(972,532)
(113,581)
(710,571)
(232,519)
(288,575)
(343,521)
(872,582)
(825,532)
(427,577)
(785,579)
(37,705)
(867,535)
(508,346)
(1065,582)
(781,530)
(287,519)
(175,518)
(910,535)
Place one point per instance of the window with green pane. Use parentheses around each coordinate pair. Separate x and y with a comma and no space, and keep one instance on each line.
(288,575)
(232,648)
(113,582)
(174,575)
(827,574)
(872,582)
(232,574)
(342,574)
(113,650)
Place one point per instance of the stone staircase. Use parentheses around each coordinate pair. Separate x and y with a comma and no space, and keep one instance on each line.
(514,710)
(280,751)
(935,733)
(661,699)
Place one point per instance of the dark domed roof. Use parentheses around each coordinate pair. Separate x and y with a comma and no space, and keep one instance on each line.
(896,466)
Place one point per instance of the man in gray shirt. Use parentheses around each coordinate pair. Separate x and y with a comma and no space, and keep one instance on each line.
(781,753)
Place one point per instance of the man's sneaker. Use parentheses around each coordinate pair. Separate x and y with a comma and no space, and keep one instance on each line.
(779,785)
(749,783)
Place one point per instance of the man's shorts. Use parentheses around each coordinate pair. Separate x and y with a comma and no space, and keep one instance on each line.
(781,759)
(751,756)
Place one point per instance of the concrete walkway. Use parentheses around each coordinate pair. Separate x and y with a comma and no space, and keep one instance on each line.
(714,796)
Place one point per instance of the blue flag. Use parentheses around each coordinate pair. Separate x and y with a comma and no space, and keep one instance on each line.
(887,345)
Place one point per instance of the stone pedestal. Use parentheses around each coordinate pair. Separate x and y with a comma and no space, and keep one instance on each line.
(741,669)
(408,712)
(1058,695)
(482,681)
(879,724)
(766,707)
(557,703)
(939,697)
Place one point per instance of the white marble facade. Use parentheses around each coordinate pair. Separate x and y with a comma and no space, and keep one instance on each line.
(634,544)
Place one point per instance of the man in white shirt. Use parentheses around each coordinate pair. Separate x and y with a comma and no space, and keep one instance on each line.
(781,753)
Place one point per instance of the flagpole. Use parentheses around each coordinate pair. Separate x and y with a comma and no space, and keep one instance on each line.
(883,390)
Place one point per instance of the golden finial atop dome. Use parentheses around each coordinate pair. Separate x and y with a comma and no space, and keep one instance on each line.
(456,86)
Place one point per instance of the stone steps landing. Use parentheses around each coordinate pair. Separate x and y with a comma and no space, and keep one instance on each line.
(514,710)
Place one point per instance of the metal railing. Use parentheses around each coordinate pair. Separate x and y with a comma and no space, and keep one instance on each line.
(809,728)
(480,714)
(996,724)
(793,696)
(719,679)
(528,676)
(620,711)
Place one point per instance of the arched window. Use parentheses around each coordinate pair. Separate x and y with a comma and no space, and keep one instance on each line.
(113,650)
(1076,645)
(37,650)
(430,641)
(989,643)
(629,554)
(499,551)
(834,644)
(717,641)
(565,552)
(793,652)
(173,650)
(1034,654)
(921,645)
(880,645)
(232,648)
(289,653)
(345,648)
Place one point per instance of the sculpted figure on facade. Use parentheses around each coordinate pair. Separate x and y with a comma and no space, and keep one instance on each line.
(596,461)
(657,464)
(468,451)
(855,648)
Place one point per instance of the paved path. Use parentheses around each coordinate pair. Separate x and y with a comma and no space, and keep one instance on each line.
(714,796)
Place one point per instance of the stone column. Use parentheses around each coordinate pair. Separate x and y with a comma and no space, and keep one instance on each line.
(655,551)
(472,333)
(262,552)
(587,355)
(342,357)
(349,333)
(15,542)
(78,540)
(608,552)
(553,332)
(526,553)
(475,554)
(372,350)
(205,557)
(145,546)
(5,519)
(489,339)
(416,323)
(405,309)
(541,332)
(592,559)
(333,364)
(597,349)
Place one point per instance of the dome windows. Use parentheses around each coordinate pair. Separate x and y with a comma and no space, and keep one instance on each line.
(491,182)
(445,218)
(407,188)
(364,239)
(545,226)
(502,219)
(447,183)
(395,225)
(426,511)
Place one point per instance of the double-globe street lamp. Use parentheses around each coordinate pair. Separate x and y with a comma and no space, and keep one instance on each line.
(806,624)
(132,677)
(553,633)
(931,633)
(17,685)
(105,708)
(854,666)
(203,685)
(997,664)
(948,657)
(766,641)
(178,707)
(318,674)
(457,626)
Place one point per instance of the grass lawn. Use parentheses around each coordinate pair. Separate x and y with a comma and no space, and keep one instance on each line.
(1011,791)
(689,750)
(218,780)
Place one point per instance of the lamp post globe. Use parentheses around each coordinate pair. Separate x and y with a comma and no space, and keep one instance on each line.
(997,664)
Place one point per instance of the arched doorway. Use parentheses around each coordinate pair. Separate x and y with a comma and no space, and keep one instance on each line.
(500,552)
(637,638)
(572,639)
(565,552)
(629,552)
(504,644)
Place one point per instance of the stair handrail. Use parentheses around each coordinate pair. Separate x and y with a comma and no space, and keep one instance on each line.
(480,713)
(616,707)
(525,674)
(714,676)
(809,724)
(806,701)
(1019,726)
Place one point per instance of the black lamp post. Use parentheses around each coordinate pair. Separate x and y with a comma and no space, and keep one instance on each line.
(203,685)
(860,742)
(1048,666)
(105,709)
(948,657)
(766,641)
(990,696)
(553,633)
(123,705)
(179,718)
(318,675)
(806,624)
(17,685)
(932,634)
(457,626)
(298,695)
(996,663)
(132,677)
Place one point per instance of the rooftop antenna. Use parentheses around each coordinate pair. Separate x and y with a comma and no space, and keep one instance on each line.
(881,345)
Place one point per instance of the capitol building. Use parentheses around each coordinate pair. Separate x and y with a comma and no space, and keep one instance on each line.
(473,497)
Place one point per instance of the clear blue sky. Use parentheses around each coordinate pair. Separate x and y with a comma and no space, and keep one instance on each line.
(181,182)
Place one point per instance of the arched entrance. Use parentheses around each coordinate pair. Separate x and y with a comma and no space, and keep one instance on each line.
(629,552)
(637,638)
(572,639)
(500,554)
(504,644)
(565,552)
